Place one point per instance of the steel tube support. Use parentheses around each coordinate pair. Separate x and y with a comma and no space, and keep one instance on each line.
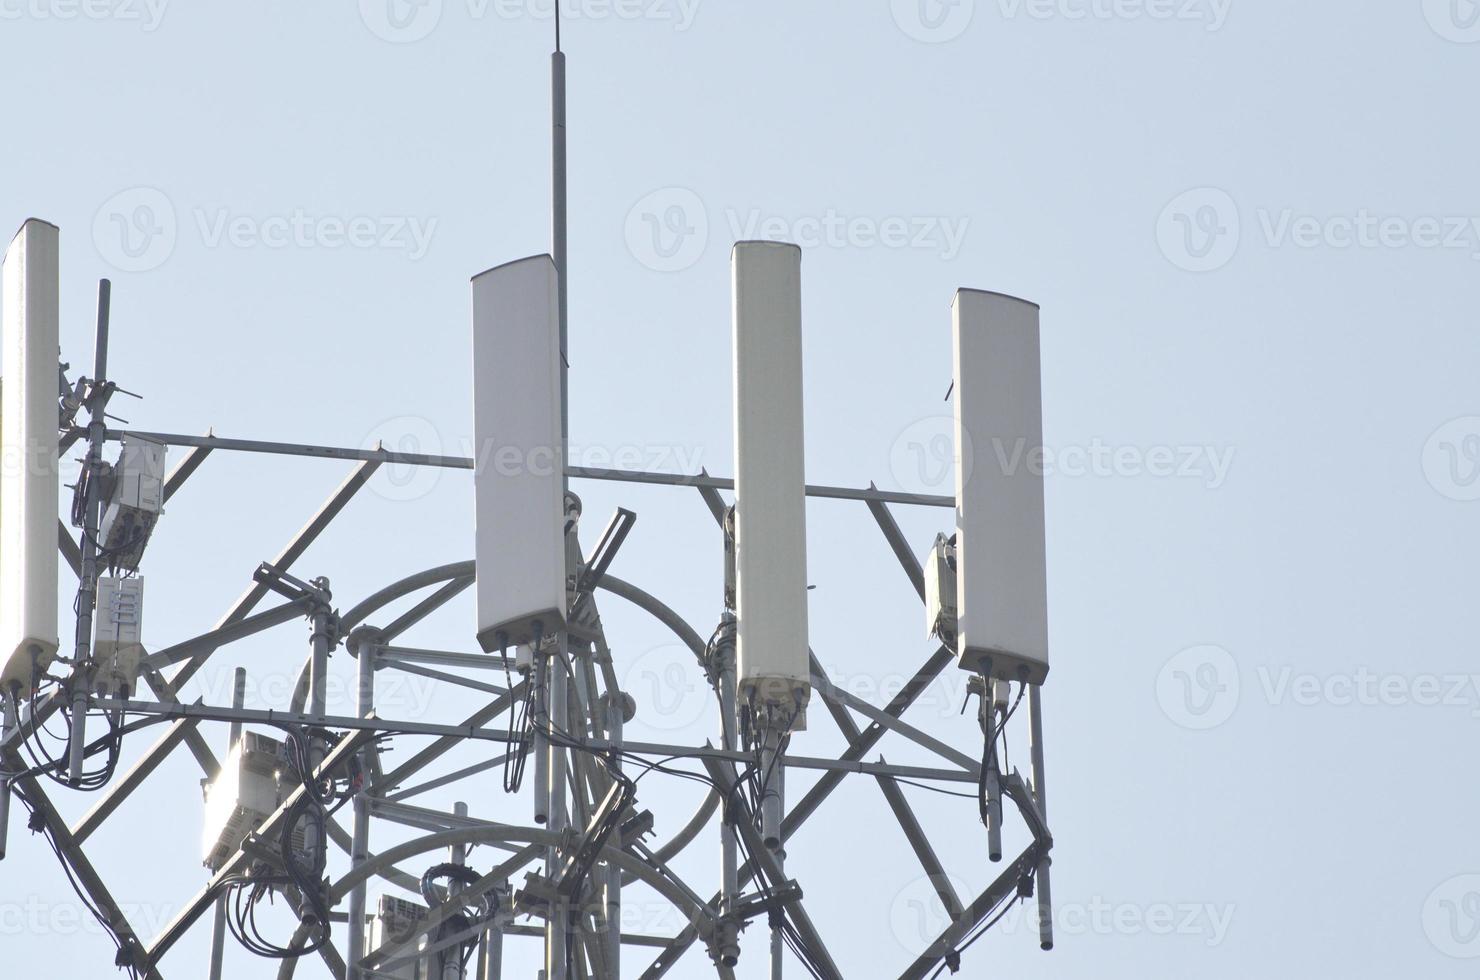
(612,887)
(457,853)
(366,653)
(381,456)
(234,734)
(7,722)
(773,794)
(557,928)
(87,586)
(729,880)
(540,676)
(1040,796)
(556,931)
(992,777)
(314,840)
(558,224)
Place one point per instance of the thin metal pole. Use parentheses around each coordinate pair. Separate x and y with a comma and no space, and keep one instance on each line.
(318,671)
(553,783)
(615,718)
(989,712)
(319,641)
(100,349)
(558,224)
(97,429)
(557,933)
(7,713)
(1040,796)
(234,734)
(773,797)
(729,882)
(451,957)
(491,963)
(540,748)
(366,651)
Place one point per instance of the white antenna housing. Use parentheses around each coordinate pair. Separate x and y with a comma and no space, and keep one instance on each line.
(1002,620)
(29,480)
(770,488)
(519,465)
(135,504)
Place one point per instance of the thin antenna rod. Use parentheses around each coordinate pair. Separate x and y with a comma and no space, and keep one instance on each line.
(100,348)
(558,224)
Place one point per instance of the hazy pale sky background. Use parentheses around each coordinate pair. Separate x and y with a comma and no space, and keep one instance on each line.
(1252,227)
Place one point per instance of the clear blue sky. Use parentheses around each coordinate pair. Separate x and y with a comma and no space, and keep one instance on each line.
(1252,230)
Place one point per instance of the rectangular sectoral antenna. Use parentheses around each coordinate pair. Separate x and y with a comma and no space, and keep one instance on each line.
(28,454)
(1002,626)
(770,490)
(519,465)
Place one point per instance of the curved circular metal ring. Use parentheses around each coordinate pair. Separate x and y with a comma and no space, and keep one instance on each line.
(644,600)
(698,915)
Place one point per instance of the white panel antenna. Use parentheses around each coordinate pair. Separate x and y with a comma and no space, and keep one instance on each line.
(770,501)
(29,480)
(519,465)
(1002,626)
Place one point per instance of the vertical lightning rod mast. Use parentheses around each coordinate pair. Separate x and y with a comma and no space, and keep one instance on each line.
(557,935)
(91,513)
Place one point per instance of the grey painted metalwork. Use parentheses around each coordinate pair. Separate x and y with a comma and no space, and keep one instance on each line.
(581,753)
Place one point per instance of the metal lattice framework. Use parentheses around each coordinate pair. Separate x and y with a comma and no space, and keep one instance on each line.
(597,705)
(594,823)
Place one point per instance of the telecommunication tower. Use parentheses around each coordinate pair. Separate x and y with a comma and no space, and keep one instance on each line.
(297,781)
